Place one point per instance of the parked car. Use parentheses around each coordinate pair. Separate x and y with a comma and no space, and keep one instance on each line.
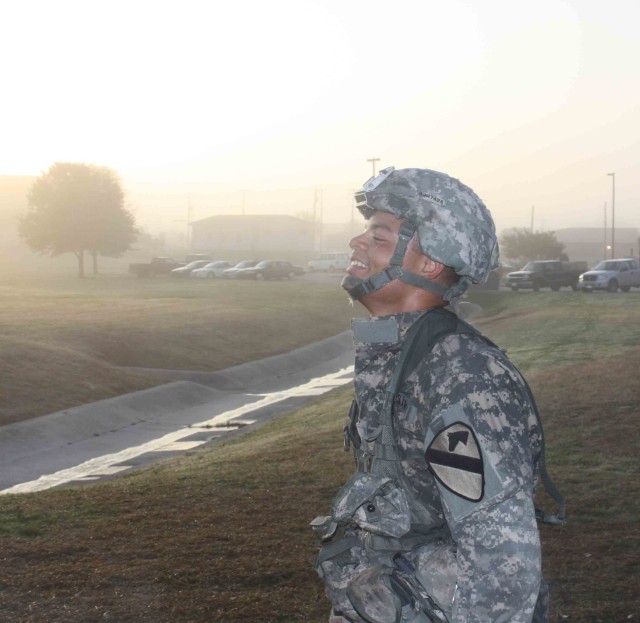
(211,270)
(329,261)
(610,275)
(552,274)
(232,272)
(157,266)
(185,271)
(270,269)
(199,256)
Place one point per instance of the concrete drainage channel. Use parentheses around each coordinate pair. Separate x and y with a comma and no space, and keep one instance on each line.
(105,438)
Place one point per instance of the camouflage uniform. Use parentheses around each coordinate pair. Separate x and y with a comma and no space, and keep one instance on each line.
(438,523)
(487,566)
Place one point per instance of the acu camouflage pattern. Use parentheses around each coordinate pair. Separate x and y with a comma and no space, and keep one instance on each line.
(454,226)
(488,563)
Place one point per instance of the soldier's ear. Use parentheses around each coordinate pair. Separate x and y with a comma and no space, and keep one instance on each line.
(421,263)
(430,268)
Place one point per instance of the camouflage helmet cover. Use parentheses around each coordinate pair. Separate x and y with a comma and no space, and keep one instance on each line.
(454,226)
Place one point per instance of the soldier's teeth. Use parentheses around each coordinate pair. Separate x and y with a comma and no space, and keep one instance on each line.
(358,264)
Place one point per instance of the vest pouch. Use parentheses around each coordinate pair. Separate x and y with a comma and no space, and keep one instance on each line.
(375,503)
(342,557)
(369,433)
(436,569)
(379,595)
(372,597)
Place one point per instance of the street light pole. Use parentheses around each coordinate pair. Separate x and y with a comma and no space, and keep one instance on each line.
(613,215)
(532,211)
(373,162)
(604,246)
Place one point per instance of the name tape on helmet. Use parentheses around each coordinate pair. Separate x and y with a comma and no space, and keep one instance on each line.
(438,200)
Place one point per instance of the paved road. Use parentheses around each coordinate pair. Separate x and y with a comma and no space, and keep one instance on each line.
(106,438)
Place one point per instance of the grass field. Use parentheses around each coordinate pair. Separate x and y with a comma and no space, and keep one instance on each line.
(69,338)
(221,534)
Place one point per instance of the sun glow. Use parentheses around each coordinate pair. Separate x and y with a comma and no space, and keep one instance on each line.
(219,97)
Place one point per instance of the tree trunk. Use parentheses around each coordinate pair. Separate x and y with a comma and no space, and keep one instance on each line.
(95,262)
(80,256)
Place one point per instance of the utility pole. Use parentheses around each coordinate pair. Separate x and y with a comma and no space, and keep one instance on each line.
(532,212)
(613,215)
(373,162)
(317,208)
(604,248)
(188,221)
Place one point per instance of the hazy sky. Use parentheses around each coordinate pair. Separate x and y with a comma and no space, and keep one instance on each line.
(531,104)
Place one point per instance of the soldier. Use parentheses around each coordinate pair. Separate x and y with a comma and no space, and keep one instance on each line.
(438,523)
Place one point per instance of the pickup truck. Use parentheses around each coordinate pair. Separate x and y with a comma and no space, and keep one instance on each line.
(610,275)
(157,266)
(329,262)
(552,274)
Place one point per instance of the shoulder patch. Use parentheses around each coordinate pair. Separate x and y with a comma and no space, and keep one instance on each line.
(455,459)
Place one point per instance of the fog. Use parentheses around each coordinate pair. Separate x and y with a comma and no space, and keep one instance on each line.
(256,108)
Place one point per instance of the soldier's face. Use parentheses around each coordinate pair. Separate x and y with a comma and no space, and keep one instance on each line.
(372,251)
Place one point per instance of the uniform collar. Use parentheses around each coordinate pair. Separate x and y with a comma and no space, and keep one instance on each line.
(382,333)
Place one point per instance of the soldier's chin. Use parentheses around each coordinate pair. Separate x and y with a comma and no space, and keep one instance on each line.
(349,282)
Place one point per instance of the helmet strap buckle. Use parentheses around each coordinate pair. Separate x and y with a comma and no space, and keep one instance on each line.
(375,282)
(405,234)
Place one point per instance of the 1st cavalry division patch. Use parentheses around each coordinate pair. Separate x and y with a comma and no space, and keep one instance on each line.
(456,461)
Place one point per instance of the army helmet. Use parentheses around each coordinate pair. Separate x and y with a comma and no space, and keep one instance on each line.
(454,226)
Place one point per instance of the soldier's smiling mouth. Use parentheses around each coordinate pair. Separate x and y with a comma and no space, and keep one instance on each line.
(357,265)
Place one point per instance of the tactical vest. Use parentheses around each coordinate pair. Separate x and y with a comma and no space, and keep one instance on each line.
(381,553)
(426,332)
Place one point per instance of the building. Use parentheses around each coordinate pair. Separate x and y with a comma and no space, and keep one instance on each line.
(255,234)
(590,243)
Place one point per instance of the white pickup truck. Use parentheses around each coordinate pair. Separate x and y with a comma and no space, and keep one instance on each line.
(610,275)
(329,262)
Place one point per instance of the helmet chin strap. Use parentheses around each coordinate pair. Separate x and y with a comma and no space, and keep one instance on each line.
(362,287)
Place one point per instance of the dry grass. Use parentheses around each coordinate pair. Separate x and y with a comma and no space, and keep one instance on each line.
(69,338)
(215,536)
(221,535)
(592,429)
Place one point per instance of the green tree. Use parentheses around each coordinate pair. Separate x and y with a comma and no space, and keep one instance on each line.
(78,208)
(525,245)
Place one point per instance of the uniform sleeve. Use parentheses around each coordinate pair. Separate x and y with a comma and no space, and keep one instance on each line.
(479,450)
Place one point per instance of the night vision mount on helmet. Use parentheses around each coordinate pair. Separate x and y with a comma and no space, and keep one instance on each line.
(454,228)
